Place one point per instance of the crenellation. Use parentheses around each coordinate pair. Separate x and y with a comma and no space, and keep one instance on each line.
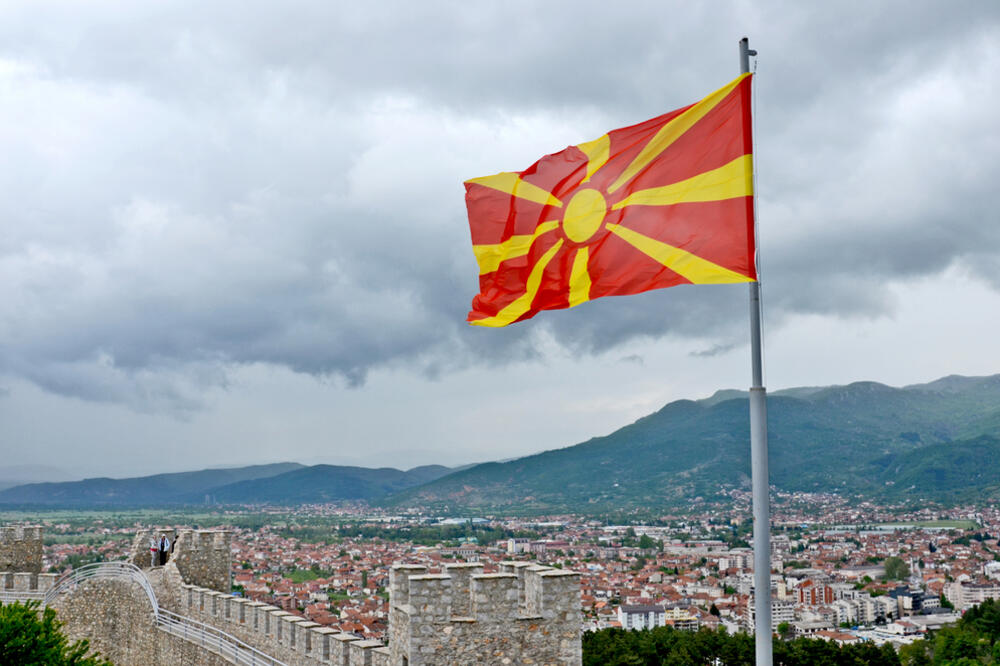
(290,631)
(278,631)
(518,569)
(304,637)
(24,582)
(214,603)
(381,656)
(430,597)
(524,614)
(203,558)
(494,597)
(362,652)
(21,548)
(342,649)
(399,581)
(321,643)
(238,610)
(461,577)
(254,621)
(548,592)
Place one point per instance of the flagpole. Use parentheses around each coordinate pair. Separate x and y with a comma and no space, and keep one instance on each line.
(758,458)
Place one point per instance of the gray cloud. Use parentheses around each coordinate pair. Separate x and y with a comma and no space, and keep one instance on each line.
(200,186)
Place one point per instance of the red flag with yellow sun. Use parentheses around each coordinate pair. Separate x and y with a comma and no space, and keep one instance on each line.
(668,201)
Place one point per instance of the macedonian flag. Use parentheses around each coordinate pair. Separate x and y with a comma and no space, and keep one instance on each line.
(668,201)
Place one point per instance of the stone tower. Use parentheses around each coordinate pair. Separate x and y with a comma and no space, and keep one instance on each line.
(21,548)
(525,614)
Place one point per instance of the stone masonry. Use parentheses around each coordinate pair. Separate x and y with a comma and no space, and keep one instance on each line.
(526,614)
(21,548)
(202,557)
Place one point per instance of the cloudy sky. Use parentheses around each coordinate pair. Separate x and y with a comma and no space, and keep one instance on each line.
(234,232)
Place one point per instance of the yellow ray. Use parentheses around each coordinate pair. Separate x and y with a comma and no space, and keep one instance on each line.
(523,303)
(597,152)
(727,182)
(682,262)
(491,256)
(579,278)
(511,183)
(672,131)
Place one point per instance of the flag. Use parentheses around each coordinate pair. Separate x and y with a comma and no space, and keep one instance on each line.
(665,202)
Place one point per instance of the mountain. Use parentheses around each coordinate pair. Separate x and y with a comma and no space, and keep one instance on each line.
(326,483)
(145,490)
(930,440)
(939,440)
(283,483)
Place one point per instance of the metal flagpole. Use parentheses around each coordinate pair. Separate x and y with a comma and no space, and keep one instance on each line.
(758,458)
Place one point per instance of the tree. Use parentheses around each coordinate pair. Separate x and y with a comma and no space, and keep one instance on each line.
(785,630)
(896,569)
(26,638)
(646,541)
(364,579)
(915,654)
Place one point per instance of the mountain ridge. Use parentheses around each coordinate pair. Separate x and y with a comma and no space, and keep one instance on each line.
(820,439)
(922,441)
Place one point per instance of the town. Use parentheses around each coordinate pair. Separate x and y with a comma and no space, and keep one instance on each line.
(841,570)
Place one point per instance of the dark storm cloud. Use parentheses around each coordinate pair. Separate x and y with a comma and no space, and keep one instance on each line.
(195,186)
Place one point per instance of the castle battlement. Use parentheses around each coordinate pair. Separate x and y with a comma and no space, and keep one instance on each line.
(288,637)
(21,548)
(20,533)
(524,613)
(202,556)
(36,584)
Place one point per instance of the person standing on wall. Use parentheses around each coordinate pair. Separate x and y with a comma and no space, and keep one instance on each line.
(164,548)
(154,551)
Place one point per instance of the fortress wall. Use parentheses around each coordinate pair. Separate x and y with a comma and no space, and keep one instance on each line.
(278,633)
(139,553)
(203,558)
(19,581)
(117,618)
(21,548)
(525,614)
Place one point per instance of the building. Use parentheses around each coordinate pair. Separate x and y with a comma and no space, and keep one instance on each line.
(965,595)
(814,593)
(781,611)
(641,616)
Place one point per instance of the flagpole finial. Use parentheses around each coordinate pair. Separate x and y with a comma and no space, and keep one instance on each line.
(745,53)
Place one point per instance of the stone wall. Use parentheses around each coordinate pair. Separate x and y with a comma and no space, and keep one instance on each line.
(117,618)
(278,633)
(203,558)
(139,553)
(525,614)
(21,548)
(25,584)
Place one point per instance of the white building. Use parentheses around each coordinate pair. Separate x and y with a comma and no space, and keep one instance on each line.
(781,611)
(641,617)
(966,595)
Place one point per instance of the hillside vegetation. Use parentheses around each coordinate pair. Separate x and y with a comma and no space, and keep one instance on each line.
(934,441)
